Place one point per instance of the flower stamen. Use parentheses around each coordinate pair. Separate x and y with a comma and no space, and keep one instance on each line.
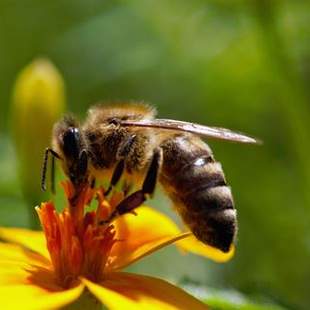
(79,245)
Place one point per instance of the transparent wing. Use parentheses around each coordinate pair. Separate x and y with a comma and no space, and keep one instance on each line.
(206,131)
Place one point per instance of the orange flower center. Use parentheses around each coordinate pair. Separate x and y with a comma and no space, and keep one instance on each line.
(79,242)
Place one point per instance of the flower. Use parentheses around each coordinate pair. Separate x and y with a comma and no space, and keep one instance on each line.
(81,251)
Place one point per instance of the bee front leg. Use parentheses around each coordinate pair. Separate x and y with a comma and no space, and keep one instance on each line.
(44,169)
(131,202)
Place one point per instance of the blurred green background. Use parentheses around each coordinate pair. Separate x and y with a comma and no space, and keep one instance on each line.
(244,65)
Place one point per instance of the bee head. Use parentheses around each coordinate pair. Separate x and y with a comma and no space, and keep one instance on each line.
(69,143)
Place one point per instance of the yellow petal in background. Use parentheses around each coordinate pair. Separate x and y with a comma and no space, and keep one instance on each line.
(191,244)
(33,240)
(130,291)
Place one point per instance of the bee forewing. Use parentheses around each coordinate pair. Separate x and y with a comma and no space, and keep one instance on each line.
(211,132)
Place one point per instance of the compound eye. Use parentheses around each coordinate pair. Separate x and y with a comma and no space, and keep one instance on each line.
(71,142)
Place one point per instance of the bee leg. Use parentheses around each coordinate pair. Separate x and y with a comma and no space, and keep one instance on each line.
(93,183)
(117,173)
(131,202)
(44,169)
(127,186)
(150,180)
(120,167)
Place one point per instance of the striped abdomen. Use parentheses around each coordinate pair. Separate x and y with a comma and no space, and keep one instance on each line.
(196,184)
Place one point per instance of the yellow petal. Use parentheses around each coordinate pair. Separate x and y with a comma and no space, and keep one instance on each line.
(191,244)
(141,235)
(17,273)
(131,292)
(26,283)
(151,230)
(17,253)
(32,297)
(19,265)
(33,240)
(124,260)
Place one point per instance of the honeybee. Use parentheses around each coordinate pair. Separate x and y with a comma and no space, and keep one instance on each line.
(127,141)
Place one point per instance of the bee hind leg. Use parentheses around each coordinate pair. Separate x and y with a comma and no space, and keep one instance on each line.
(134,200)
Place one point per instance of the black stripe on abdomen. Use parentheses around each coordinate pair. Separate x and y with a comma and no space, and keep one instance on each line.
(193,177)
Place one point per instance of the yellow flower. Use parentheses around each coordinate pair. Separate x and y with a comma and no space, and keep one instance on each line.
(79,252)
